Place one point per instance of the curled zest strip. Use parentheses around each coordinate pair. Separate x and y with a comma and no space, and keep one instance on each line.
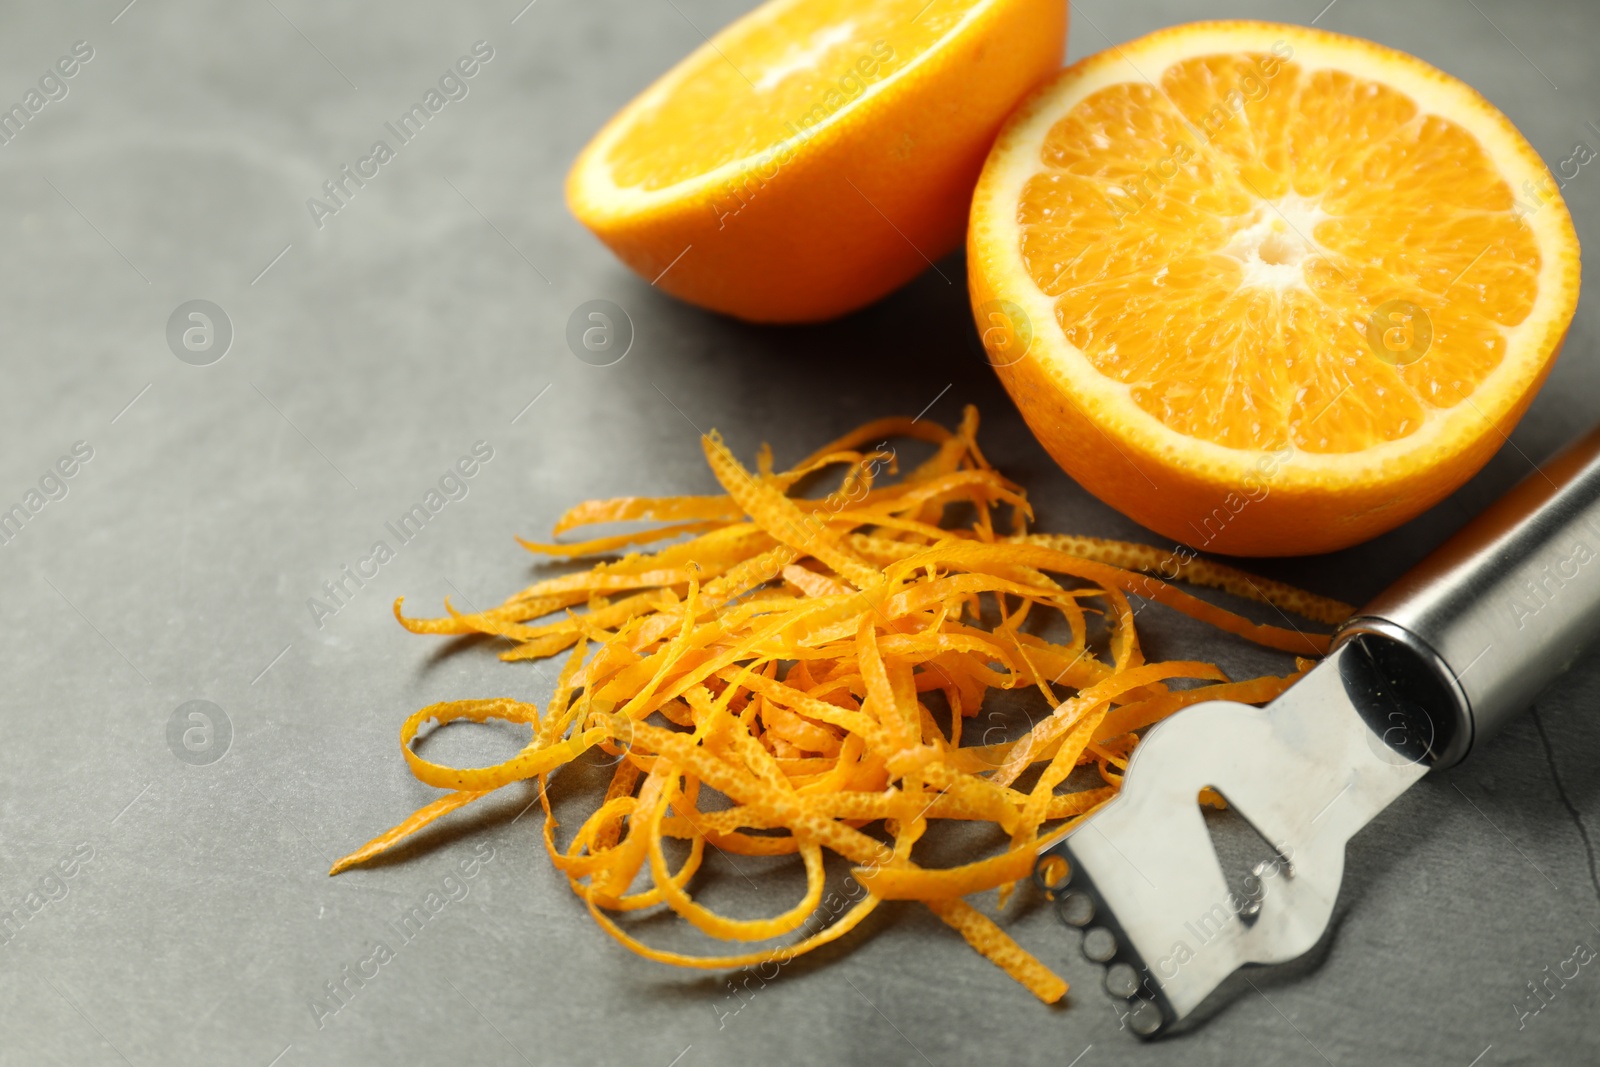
(786,675)
(530,762)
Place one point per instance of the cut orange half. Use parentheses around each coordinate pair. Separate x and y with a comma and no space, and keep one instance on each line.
(816,154)
(1265,289)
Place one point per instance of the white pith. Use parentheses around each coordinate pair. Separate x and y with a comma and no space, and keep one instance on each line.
(1273,247)
(804,57)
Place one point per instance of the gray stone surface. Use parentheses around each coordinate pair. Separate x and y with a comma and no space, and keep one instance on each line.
(425,316)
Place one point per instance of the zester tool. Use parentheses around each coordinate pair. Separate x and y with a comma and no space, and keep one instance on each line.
(1416,681)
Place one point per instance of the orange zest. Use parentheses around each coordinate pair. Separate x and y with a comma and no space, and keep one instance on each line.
(792,678)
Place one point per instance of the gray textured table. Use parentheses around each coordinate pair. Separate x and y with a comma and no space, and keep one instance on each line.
(428,314)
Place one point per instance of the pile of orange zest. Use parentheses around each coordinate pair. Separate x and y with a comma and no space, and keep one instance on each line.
(763,685)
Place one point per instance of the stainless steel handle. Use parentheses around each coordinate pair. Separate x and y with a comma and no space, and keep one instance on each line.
(1498,610)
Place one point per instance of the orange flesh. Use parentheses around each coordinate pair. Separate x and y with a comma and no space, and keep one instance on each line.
(775,79)
(1219,247)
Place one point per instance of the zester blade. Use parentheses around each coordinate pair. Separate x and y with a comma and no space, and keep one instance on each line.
(1307,772)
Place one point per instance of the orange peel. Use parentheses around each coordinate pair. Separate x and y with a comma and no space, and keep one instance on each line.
(791,676)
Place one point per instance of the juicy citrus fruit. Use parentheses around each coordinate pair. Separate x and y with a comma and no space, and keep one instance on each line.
(816,154)
(1265,289)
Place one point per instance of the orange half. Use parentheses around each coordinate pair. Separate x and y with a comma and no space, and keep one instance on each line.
(816,154)
(1265,289)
